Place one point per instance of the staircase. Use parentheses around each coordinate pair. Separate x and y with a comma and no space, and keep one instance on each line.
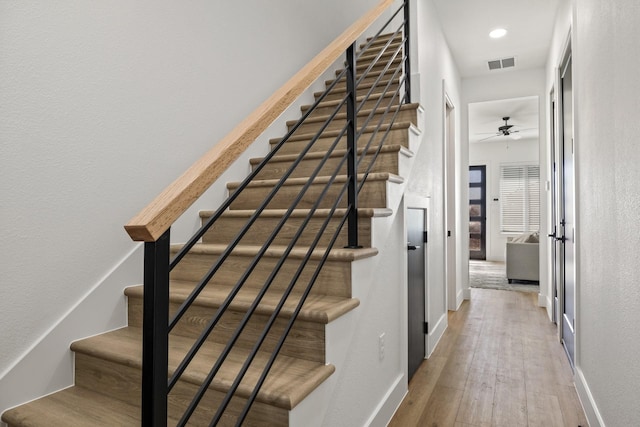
(107,386)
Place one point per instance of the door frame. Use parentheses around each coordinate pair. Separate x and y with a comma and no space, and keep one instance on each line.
(483,213)
(449,200)
(413,201)
(421,317)
(566,54)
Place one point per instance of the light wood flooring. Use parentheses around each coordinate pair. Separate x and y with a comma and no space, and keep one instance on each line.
(498,364)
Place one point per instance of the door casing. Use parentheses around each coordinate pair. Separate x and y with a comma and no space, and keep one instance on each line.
(450,203)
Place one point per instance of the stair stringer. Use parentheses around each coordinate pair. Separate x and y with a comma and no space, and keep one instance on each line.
(365,390)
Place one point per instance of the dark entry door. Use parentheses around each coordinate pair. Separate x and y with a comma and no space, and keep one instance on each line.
(416,294)
(477,212)
(567,216)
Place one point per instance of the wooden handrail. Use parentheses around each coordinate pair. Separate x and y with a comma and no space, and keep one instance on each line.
(150,223)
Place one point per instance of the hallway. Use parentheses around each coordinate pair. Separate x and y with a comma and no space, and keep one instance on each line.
(498,364)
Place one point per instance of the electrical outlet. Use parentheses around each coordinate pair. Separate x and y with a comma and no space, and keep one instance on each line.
(381,347)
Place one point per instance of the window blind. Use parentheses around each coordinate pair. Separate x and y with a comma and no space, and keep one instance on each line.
(520,198)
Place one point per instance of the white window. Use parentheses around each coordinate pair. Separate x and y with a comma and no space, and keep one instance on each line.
(519,198)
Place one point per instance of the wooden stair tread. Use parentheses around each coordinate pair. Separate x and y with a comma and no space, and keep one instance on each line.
(361,87)
(367,55)
(336,153)
(317,308)
(298,213)
(359,99)
(334,133)
(376,69)
(276,251)
(289,381)
(379,176)
(383,38)
(74,407)
(382,63)
(363,113)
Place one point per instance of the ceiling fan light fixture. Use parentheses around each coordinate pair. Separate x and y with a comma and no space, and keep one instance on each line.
(498,33)
(515,136)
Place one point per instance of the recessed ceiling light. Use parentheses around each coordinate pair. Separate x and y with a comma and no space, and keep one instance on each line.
(497,33)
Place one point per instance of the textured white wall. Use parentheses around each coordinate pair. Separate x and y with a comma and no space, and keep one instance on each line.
(103,105)
(434,64)
(492,154)
(607,125)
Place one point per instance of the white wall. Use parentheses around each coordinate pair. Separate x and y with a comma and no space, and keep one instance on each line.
(505,85)
(103,105)
(435,64)
(492,154)
(607,125)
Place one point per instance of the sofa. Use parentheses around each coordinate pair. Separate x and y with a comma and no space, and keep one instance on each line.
(523,258)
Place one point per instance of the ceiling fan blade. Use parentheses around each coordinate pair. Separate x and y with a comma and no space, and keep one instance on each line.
(489,137)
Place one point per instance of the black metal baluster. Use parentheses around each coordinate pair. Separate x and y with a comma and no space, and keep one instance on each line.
(155,333)
(352,149)
(407,66)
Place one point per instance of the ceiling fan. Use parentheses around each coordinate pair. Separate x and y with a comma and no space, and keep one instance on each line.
(506,130)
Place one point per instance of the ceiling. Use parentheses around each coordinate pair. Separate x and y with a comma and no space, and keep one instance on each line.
(467,23)
(529,23)
(486,117)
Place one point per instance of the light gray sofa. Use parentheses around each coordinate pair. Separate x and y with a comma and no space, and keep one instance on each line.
(523,258)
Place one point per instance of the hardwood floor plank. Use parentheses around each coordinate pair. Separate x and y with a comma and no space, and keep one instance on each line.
(499,363)
(543,410)
(420,390)
(510,403)
(476,406)
(442,407)
(572,412)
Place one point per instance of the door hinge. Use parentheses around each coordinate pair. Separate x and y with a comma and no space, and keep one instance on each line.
(426,327)
(448,233)
(426,237)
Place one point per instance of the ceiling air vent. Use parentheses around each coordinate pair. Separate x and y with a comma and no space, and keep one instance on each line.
(498,64)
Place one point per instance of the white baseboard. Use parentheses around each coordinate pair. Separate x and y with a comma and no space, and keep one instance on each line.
(586,399)
(542,300)
(48,365)
(459,298)
(549,307)
(389,404)
(436,333)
